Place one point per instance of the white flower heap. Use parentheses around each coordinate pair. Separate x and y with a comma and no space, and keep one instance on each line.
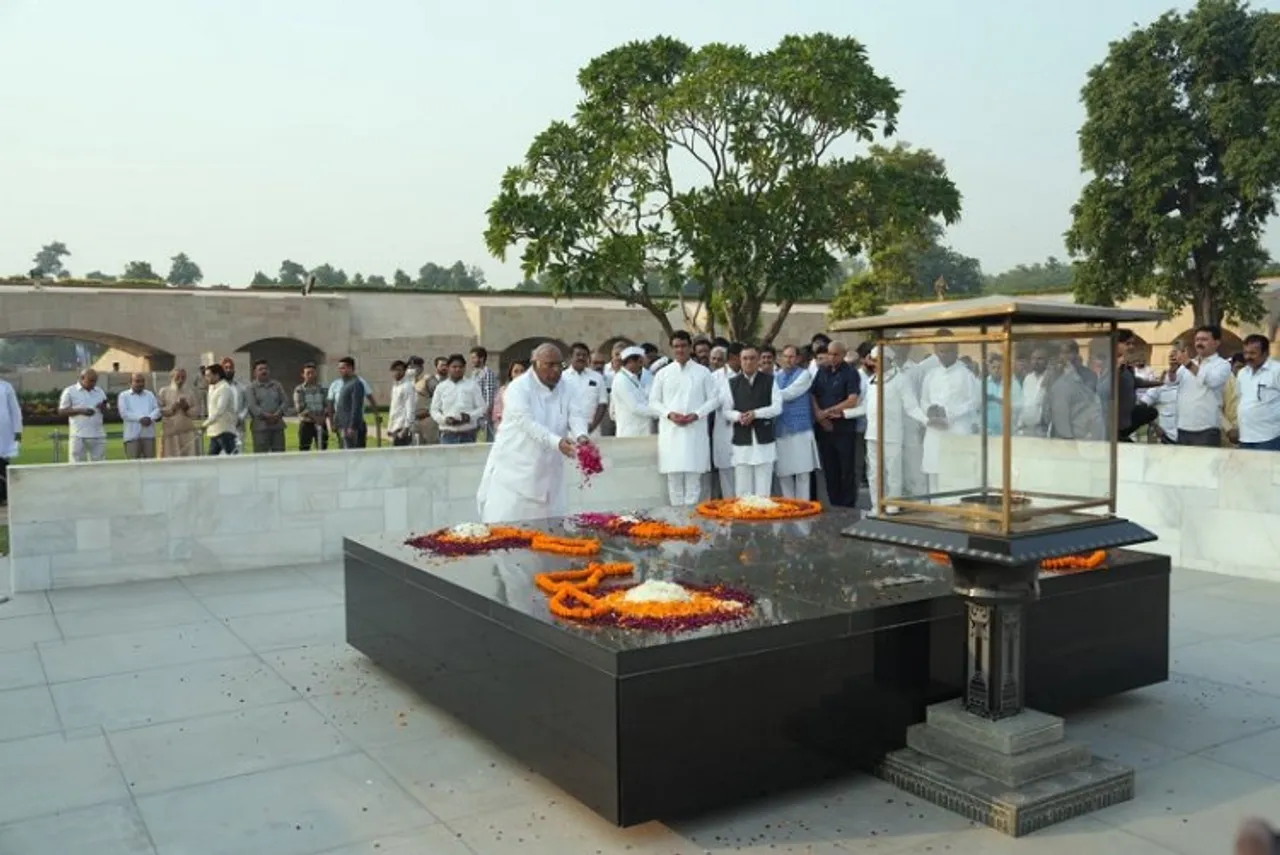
(757,503)
(655,591)
(469,531)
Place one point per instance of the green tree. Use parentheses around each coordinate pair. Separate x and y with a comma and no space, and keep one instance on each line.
(140,271)
(292,274)
(1179,136)
(329,277)
(99,276)
(400,279)
(1052,275)
(358,281)
(184,271)
(377,281)
(49,260)
(717,166)
(261,280)
(859,297)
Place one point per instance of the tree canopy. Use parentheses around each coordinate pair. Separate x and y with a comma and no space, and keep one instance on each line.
(48,260)
(183,271)
(1180,139)
(140,271)
(716,166)
(1052,275)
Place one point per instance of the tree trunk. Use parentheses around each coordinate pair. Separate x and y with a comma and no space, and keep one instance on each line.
(1207,309)
(776,327)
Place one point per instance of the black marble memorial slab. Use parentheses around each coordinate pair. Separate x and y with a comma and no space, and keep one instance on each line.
(847,644)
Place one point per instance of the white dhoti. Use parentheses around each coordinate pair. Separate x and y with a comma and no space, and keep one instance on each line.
(914,481)
(753,479)
(684,488)
(797,461)
(498,505)
(893,471)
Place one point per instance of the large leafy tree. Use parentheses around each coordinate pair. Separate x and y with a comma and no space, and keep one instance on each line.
(184,271)
(717,171)
(140,271)
(1052,275)
(1180,136)
(292,274)
(49,260)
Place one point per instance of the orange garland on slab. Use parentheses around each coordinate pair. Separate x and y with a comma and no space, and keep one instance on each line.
(1065,564)
(789,509)
(572,597)
(539,541)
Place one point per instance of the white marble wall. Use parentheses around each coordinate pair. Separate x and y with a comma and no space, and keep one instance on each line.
(1213,509)
(130,520)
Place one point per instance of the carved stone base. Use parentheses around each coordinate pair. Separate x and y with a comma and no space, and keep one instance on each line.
(1016,775)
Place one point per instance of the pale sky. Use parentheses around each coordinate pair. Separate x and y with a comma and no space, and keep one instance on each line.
(372,135)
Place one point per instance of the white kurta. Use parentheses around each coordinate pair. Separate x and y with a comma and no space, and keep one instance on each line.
(956,391)
(797,452)
(590,385)
(722,429)
(630,403)
(133,408)
(1030,412)
(524,475)
(10,420)
(687,388)
(902,416)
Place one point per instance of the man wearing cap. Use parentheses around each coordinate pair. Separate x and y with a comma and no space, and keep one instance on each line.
(630,399)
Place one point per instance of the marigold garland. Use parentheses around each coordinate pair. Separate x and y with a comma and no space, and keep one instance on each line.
(788,509)
(444,542)
(574,596)
(1065,564)
(639,529)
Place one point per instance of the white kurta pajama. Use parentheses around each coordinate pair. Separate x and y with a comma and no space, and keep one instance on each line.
(914,481)
(797,452)
(753,464)
(629,401)
(902,413)
(524,475)
(684,451)
(958,393)
(722,436)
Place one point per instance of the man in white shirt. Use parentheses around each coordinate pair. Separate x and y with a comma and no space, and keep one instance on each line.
(1202,379)
(458,406)
(404,405)
(10,435)
(901,413)
(629,400)
(914,481)
(1030,414)
(582,380)
(240,390)
(751,403)
(950,399)
(1259,407)
(722,427)
(83,405)
(542,424)
(1164,398)
(685,395)
(139,411)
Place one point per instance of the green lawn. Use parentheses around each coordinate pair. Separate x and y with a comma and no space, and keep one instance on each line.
(38,443)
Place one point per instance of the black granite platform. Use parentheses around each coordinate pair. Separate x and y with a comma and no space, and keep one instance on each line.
(822,678)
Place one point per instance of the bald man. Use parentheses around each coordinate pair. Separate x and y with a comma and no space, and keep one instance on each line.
(82,404)
(543,422)
(140,412)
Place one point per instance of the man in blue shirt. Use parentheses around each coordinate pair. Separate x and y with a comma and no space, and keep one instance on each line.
(836,389)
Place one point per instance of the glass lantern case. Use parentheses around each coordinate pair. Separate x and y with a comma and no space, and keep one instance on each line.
(995,417)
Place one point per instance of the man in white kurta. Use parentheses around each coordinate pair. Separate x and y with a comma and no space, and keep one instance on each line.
(629,399)
(722,428)
(542,422)
(950,398)
(10,434)
(753,459)
(914,481)
(902,413)
(685,394)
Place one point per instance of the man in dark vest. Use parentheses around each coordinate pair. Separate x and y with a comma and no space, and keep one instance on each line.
(751,402)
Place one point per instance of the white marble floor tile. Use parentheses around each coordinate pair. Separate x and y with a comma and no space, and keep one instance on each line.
(27,712)
(1252,665)
(52,774)
(757,830)
(1193,805)
(323,625)
(1186,579)
(99,656)
(1112,743)
(169,694)
(110,829)
(323,669)
(559,828)
(1083,835)
(437,839)
(1259,754)
(1245,590)
(297,810)
(463,777)
(149,593)
(329,575)
(384,714)
(21,633)
(244,581)
(274,600)
(1221,617)
(127,617)
(197,750)
(25,605)
(1189,714)
(21,668)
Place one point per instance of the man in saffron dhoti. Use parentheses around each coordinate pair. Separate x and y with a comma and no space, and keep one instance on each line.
(685,394)
(542,423)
